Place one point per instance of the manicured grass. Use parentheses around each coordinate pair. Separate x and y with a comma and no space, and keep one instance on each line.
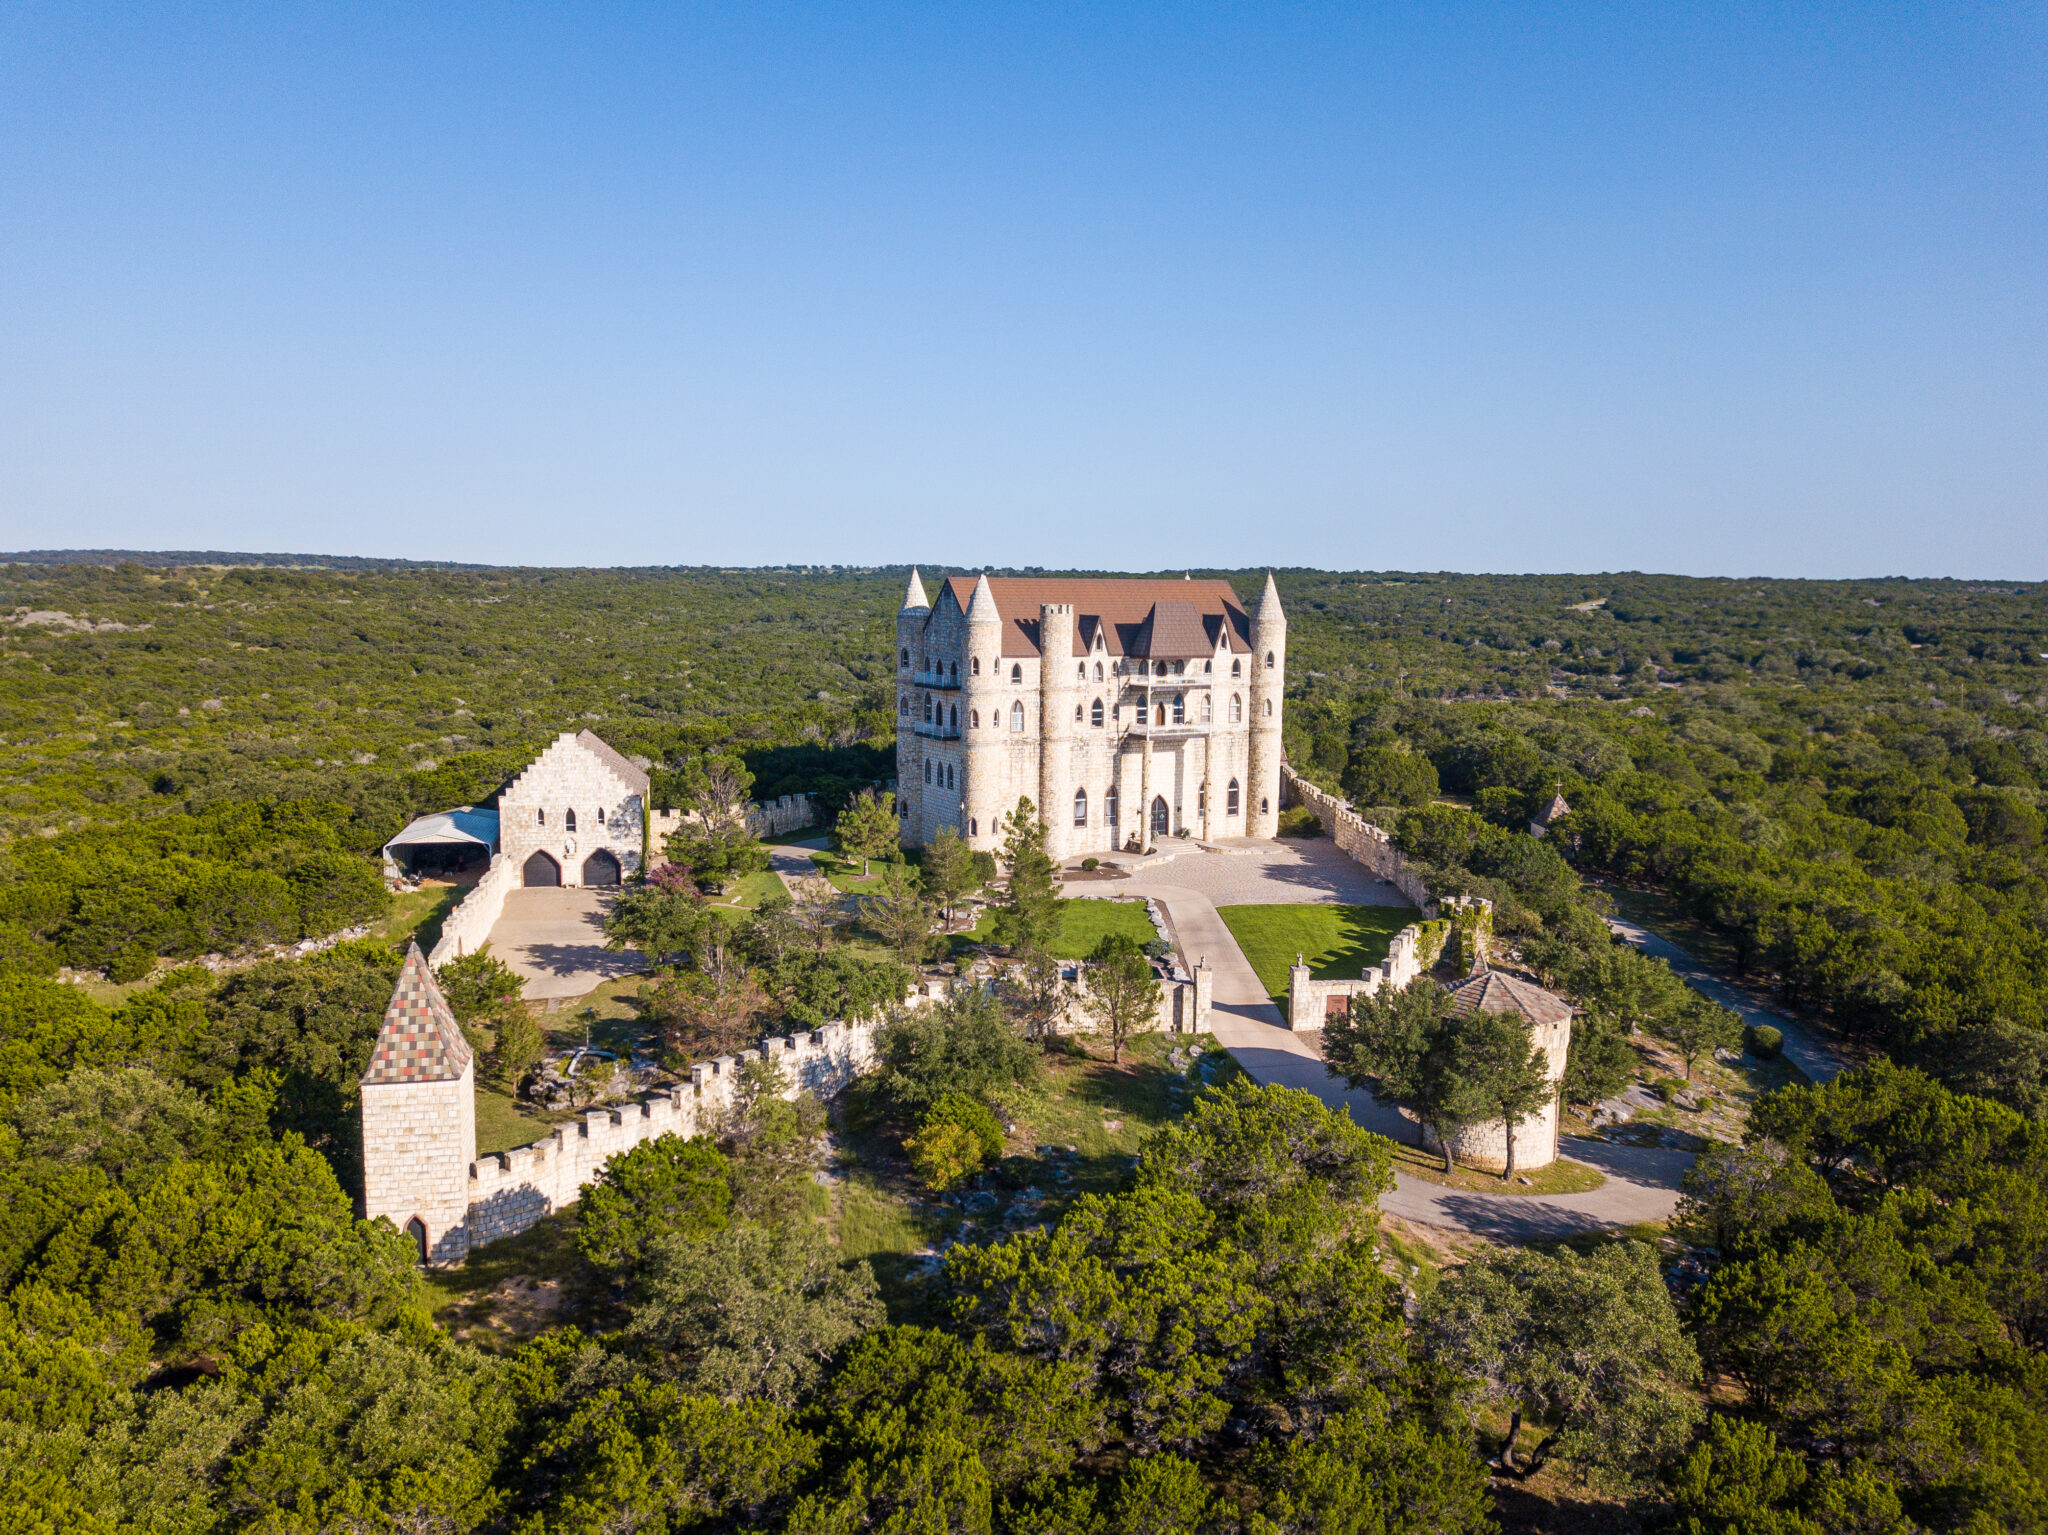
(502,1124)
(1560,1177)
(748,892)
(1338,942)
(1083,924)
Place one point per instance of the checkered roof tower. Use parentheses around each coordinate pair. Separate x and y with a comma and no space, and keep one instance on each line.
(419,1118)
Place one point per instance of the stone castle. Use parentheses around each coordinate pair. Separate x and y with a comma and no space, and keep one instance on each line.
(1127,711)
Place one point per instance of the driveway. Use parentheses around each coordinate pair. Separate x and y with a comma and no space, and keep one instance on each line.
(1642,1182)
(554,939)
(1302,871)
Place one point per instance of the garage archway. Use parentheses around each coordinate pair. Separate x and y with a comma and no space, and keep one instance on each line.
(601,868)
(541,869)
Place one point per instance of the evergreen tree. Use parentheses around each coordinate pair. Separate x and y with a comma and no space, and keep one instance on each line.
(949,874)
(867,827)
(1029,913)
(1123,993)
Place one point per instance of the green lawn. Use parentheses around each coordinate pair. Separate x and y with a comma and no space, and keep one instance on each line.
(1083,924)
(748,892)
(1339,942)
(418,914)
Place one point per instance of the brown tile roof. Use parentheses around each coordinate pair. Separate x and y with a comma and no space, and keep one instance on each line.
(633,777)
(420,1040)
(1493,991)
(1120,607)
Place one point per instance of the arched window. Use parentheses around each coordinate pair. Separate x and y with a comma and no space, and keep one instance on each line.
(905,661)
(1081,672)
(1262,804)
(1269,708)
(974,666)
(927,708)
(1098,671)
(903,707)
(1208,707)
(1237,668)
(1159,668)
(973,827)
(953,718)
(949,776)
(1109,808)
(540,818)
(1201,799)
(1208,667)
(1236,709)
(1269,660)
(600,815)
(1016,671)
(1159,712)
(955,669)
(417,1230)
(569,820)
(1095,715)
(1180,709)
(1230,798)
(927,772)
(1017,717)
(1080,807)
(974,719)
(1077,714)
(1179,668)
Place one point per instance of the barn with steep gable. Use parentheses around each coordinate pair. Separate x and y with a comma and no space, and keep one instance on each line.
(577,816)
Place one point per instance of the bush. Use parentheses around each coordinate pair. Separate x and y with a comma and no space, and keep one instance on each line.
(984,867)
(1668,1088)
(131,964)
(1761,1040)
(1091,864)
(957,1138)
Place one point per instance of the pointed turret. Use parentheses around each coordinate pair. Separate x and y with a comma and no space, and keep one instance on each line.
(914,600)
(981,607)
(1268,607)
(420,1040)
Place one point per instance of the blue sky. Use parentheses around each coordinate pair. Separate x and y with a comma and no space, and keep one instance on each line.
(1722,289)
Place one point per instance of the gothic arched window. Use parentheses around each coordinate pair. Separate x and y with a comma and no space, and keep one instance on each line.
(974,719)
(973,827)
(540,818)
(1269,660)
(1081,672)
(974,666)
(1208,707)
(569,820)
(1269,708)
(1098,671)
(1180,709)
(1080,807)
(1077,714)
(1230,798)
(1095,715)
(903,707)
(1237,668)
(927,708)
(906,657)
(1017,716)
(955,669)
(1016,671)
(1236,709)
(953,718)
(927,772)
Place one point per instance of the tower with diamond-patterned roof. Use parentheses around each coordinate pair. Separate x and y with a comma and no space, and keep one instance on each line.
(419,1119)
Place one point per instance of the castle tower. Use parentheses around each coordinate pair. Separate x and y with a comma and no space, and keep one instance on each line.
(1269,682)
(419,1119)
(981,775)
(910,621)
(1056,695)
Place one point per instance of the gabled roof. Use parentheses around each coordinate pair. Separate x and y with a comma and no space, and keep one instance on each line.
(420,1040)
(1121,608)
(1173,631)
(634,778)
(1554,810)
(1493,991)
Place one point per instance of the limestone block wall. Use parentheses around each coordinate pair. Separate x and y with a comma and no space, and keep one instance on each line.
(765,818)
(1484,1143)
(1358,837)
(1309,1001)
(418,1140)
(468,926)
(508,1193)
(533,812)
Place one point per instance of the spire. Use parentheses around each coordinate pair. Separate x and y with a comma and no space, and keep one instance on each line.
(981,608)
(914,599)
(1268,610)
(420,1040)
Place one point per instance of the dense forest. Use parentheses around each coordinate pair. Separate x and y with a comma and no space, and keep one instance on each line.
(1841,1333)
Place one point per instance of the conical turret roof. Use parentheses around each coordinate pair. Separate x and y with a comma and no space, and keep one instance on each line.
(914,598)
(1268,608)
(420,1040)
(981,607)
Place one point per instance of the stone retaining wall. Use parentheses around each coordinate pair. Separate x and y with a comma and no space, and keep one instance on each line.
(468,926)
(1364,842)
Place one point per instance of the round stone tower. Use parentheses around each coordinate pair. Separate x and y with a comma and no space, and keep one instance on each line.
(982,728)
(1269,683)
(1056,695)
(910,622)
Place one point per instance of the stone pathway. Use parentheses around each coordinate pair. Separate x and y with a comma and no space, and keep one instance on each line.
(1642,1182)
(1301,871)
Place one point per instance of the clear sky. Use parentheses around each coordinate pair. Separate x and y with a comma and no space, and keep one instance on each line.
(1718,289)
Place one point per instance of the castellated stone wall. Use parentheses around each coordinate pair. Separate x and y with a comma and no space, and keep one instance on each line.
(765,818)
(419,1144)
(1363,841)
(506,1194)
(468,927)
(533,813)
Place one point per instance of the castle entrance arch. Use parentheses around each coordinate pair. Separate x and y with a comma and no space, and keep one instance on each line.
(1162,818)
(417,1230)
(601,868)
(541,869)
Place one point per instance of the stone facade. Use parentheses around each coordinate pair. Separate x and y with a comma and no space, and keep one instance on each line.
(1484,1143)
(468,927)
(1409,956)
(419,1119)
(576,816)
(1128,712)
(765,818)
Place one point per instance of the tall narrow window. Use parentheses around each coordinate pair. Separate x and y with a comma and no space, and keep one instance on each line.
(953,717)
(903,707)
(568,820)
(927,772)
(974,666)
(955,671)
(1080,807)
(600,815)
(1098,671)
(1095,715)
(1208,667)
(1077,714)
(974,719)
(1269,660)
(1109,808)
(927,708)
(1262,804)
(1201,799)
(1081,672)
(1017,717)
(905,661)
(1236,709)
(949,777)
(1180,709)
(973,827)
(540,818)
(1159,713)
(1237,668)
(1230,798)
(1016,671)
(1208,707)
(1269,708)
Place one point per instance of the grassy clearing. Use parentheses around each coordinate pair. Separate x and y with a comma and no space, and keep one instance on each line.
(1083,924)
(748,892)
(502,1124)
(1338,942)
(418,915)
(511,1290)
(1560,1177)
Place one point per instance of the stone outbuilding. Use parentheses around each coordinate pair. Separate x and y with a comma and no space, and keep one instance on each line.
(1556,810)
(576,816)
(419,1118)
(1483,1143)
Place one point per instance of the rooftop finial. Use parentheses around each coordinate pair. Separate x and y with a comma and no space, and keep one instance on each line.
(914,598)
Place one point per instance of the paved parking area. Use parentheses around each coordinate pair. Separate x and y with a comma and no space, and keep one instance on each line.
(554,938)
(1287,871)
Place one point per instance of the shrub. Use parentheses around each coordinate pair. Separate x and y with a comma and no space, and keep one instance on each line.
(1668,1088)
(1091,864)
(131,964)
(957,1138)
(1760,1039)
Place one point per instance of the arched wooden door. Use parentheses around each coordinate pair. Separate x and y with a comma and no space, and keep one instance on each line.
(541,869)
(601,868)
(1162,818)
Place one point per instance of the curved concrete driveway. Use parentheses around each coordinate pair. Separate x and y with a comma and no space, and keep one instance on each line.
(1642,1182)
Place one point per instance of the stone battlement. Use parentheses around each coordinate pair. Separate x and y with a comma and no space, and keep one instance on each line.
(511,1191)
(1357,837)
